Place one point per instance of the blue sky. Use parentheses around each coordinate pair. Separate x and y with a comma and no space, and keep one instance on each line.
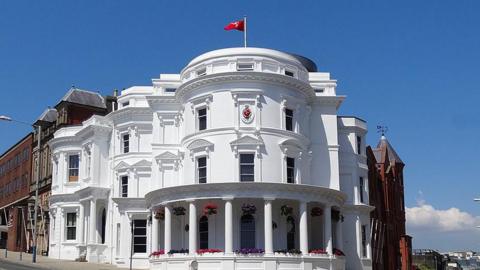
(411,65)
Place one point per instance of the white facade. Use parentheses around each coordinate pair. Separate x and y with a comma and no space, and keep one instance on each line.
(237,127)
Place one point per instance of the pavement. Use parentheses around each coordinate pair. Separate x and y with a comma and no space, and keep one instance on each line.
(13,262)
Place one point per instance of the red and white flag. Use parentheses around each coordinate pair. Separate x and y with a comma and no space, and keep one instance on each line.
(238,25)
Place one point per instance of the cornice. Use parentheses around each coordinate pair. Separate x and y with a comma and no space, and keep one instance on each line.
(328,100)
(132,114)
(358,208)
(240,76)
(239,190)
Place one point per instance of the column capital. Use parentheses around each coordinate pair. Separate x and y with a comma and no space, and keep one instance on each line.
(228,198)
(190,200)
(269,199)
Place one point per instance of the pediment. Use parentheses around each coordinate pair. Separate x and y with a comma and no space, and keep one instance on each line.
(121,165)
(143,163)
(167,155)
(200,143)
(246,140)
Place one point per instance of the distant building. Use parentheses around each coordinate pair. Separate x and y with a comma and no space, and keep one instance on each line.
(15,171)
(391,247)
(429,258)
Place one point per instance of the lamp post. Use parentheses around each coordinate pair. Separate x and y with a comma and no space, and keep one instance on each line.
(39,137)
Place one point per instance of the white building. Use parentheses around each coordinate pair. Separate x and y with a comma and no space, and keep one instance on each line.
(242,149)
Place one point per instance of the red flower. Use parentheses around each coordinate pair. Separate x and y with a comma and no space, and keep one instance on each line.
(209,250)
(318,251)
(210,209)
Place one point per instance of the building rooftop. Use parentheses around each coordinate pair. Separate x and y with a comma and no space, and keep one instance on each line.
(84,97)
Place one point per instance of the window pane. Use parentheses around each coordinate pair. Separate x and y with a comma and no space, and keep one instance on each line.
(139,236)
(247,231)
(202,162)
(247,169)
(246,158)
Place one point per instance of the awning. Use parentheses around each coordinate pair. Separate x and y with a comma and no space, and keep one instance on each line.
(12,203)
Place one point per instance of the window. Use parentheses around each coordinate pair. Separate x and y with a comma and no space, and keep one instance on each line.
(361,188)
(289,119)
(71,226)
(289,73)
(73,162)
(359,145)
(139,236)
(290,233)
(104,224)
(244,66)
(202,170)
(125,104)
(319,90)
(290,170)
(247,167)
(364,240)
(202,119)
(124,186)
(203,232)
(202,72)
(247,231)
(170,90)
(126,143)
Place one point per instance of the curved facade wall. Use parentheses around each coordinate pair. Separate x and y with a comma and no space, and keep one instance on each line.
(237,128)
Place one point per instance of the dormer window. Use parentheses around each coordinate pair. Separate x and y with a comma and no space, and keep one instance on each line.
(244,66)
(289,73)
(202,72)
(170,90)
(125,104)
(319,90)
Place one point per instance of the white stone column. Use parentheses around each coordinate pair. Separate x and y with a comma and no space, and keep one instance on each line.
(339,233)
(369,247)
(93,221)
(303,228)
(228,226)
(327,222)
(154,232)
(168,229)
(80,222)
(192,231)
(358,228)
(268,227)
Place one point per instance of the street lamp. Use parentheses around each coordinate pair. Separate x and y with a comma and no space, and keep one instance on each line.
(39,137)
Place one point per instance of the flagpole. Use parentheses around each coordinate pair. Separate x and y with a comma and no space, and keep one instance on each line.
(245,31)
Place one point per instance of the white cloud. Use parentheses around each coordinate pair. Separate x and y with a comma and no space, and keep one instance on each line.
(425,216)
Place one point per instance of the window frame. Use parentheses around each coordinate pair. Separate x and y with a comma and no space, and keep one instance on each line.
(240,164)
(290,170)
(125,148)
(245,68)
(198,168)
(359,145)
(364,240)
(203,241)
(122,185)
(289,118)
(72,177)
(201,118)
(244,240)
(69,228)
(135,236)
(361,187)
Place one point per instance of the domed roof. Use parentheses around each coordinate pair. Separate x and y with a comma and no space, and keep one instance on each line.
(308,64)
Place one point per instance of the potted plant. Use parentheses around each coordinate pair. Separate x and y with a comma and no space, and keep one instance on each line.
(208,250)
(249,209)
(317,251)
(179,211)
(157,253)
(286,210)
(210,209)
(250,251)
(160,214)
(338,252)
(316,212)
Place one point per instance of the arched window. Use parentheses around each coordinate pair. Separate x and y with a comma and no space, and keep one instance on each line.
(290,233)
(247,231)
(203,232)
(104,224)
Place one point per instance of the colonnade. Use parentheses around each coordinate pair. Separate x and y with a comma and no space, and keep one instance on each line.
(268,228)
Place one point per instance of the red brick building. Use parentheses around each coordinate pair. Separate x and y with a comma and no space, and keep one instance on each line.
(15,173)
(75,107)
(391,247)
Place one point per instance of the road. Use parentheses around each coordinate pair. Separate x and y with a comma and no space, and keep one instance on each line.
(7,265)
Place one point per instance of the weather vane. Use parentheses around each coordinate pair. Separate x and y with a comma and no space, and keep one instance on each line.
(382,129)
